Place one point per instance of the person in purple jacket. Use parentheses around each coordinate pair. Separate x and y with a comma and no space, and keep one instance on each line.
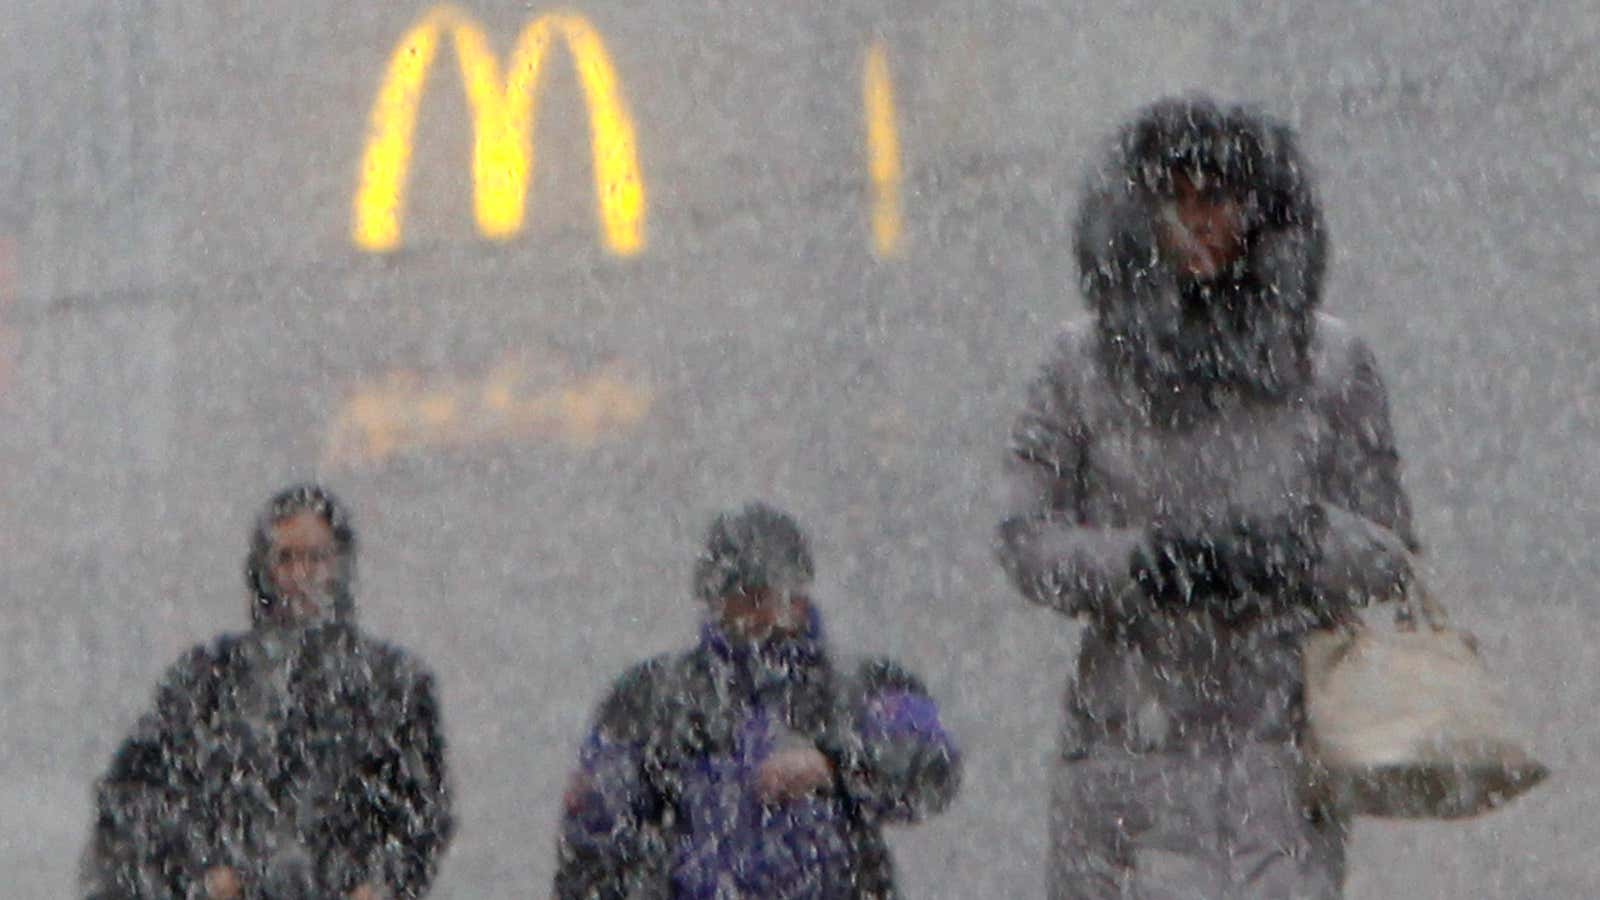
(753,764)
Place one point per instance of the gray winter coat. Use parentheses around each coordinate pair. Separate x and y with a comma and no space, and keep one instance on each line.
(1117,435)
(1091,472)
(1196,409)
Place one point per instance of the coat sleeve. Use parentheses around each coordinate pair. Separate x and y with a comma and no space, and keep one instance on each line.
(894,758)
(404,817)
(153,833)
(1053,555)
(1368,539)
(609,839)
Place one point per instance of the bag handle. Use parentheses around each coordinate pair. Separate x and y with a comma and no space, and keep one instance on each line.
(1419,602)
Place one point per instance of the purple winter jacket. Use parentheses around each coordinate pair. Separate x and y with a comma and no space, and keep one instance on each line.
(664,803)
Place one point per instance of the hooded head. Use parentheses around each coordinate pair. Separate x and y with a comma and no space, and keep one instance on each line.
(755,572)
(301,564)
(1201,250)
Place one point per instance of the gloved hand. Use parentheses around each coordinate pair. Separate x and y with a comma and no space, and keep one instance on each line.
(1177,565)
(1275,552)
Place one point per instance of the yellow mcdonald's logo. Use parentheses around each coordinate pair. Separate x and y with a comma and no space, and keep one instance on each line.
(503,110)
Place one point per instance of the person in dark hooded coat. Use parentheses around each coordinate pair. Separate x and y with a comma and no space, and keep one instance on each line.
(753,765)
(301,759)
(1204,472)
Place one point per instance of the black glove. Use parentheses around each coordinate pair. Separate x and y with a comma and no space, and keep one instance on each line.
(1274,553)
(1177,566)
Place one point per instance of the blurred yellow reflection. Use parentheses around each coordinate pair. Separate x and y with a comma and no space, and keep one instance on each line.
(406,411)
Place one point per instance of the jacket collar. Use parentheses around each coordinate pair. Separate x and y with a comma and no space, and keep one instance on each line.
(776,655)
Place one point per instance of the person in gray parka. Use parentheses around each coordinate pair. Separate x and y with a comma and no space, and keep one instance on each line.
(1204,472)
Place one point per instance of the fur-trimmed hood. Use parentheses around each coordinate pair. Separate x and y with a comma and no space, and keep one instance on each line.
(291,500)
(1250,327)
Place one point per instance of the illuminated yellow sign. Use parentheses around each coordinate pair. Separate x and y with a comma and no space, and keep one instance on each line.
(883,151)
(504,106)
(406,411)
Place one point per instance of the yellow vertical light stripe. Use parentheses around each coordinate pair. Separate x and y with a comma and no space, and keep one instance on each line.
(380,198)
(619,188)
(883,151)
(503,116)
(502,131)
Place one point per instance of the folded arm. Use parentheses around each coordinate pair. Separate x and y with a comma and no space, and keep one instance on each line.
(399,819)
(895,761)
(609,835)
(1369,539)
(1351,544)
(153,833)
(1051,555)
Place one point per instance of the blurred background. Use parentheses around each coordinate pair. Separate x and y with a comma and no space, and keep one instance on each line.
(239,247)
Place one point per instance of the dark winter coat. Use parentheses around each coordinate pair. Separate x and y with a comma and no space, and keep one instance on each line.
(1281,415)
(664,804)
(310,761)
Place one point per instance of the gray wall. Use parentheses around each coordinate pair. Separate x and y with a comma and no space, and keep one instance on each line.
(187,321)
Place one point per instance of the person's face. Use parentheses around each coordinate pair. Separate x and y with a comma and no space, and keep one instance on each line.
(1202,228)
(303,567)
(762,613)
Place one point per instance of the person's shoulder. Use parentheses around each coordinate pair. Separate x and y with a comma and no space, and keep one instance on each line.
(635,696)
(384,651)
(1070,365)
(1332,334)
(198,673)
(646,678)
(1339,354)
(876,674)
(1062,396)
(204,659)
(391,659)
(1073,353)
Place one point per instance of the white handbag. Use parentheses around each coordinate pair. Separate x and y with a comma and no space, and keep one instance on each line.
(1407,722)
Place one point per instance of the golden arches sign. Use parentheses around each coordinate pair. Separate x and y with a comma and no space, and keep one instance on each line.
(504,106)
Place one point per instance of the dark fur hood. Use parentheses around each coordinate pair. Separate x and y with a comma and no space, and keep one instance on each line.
(1252,326)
